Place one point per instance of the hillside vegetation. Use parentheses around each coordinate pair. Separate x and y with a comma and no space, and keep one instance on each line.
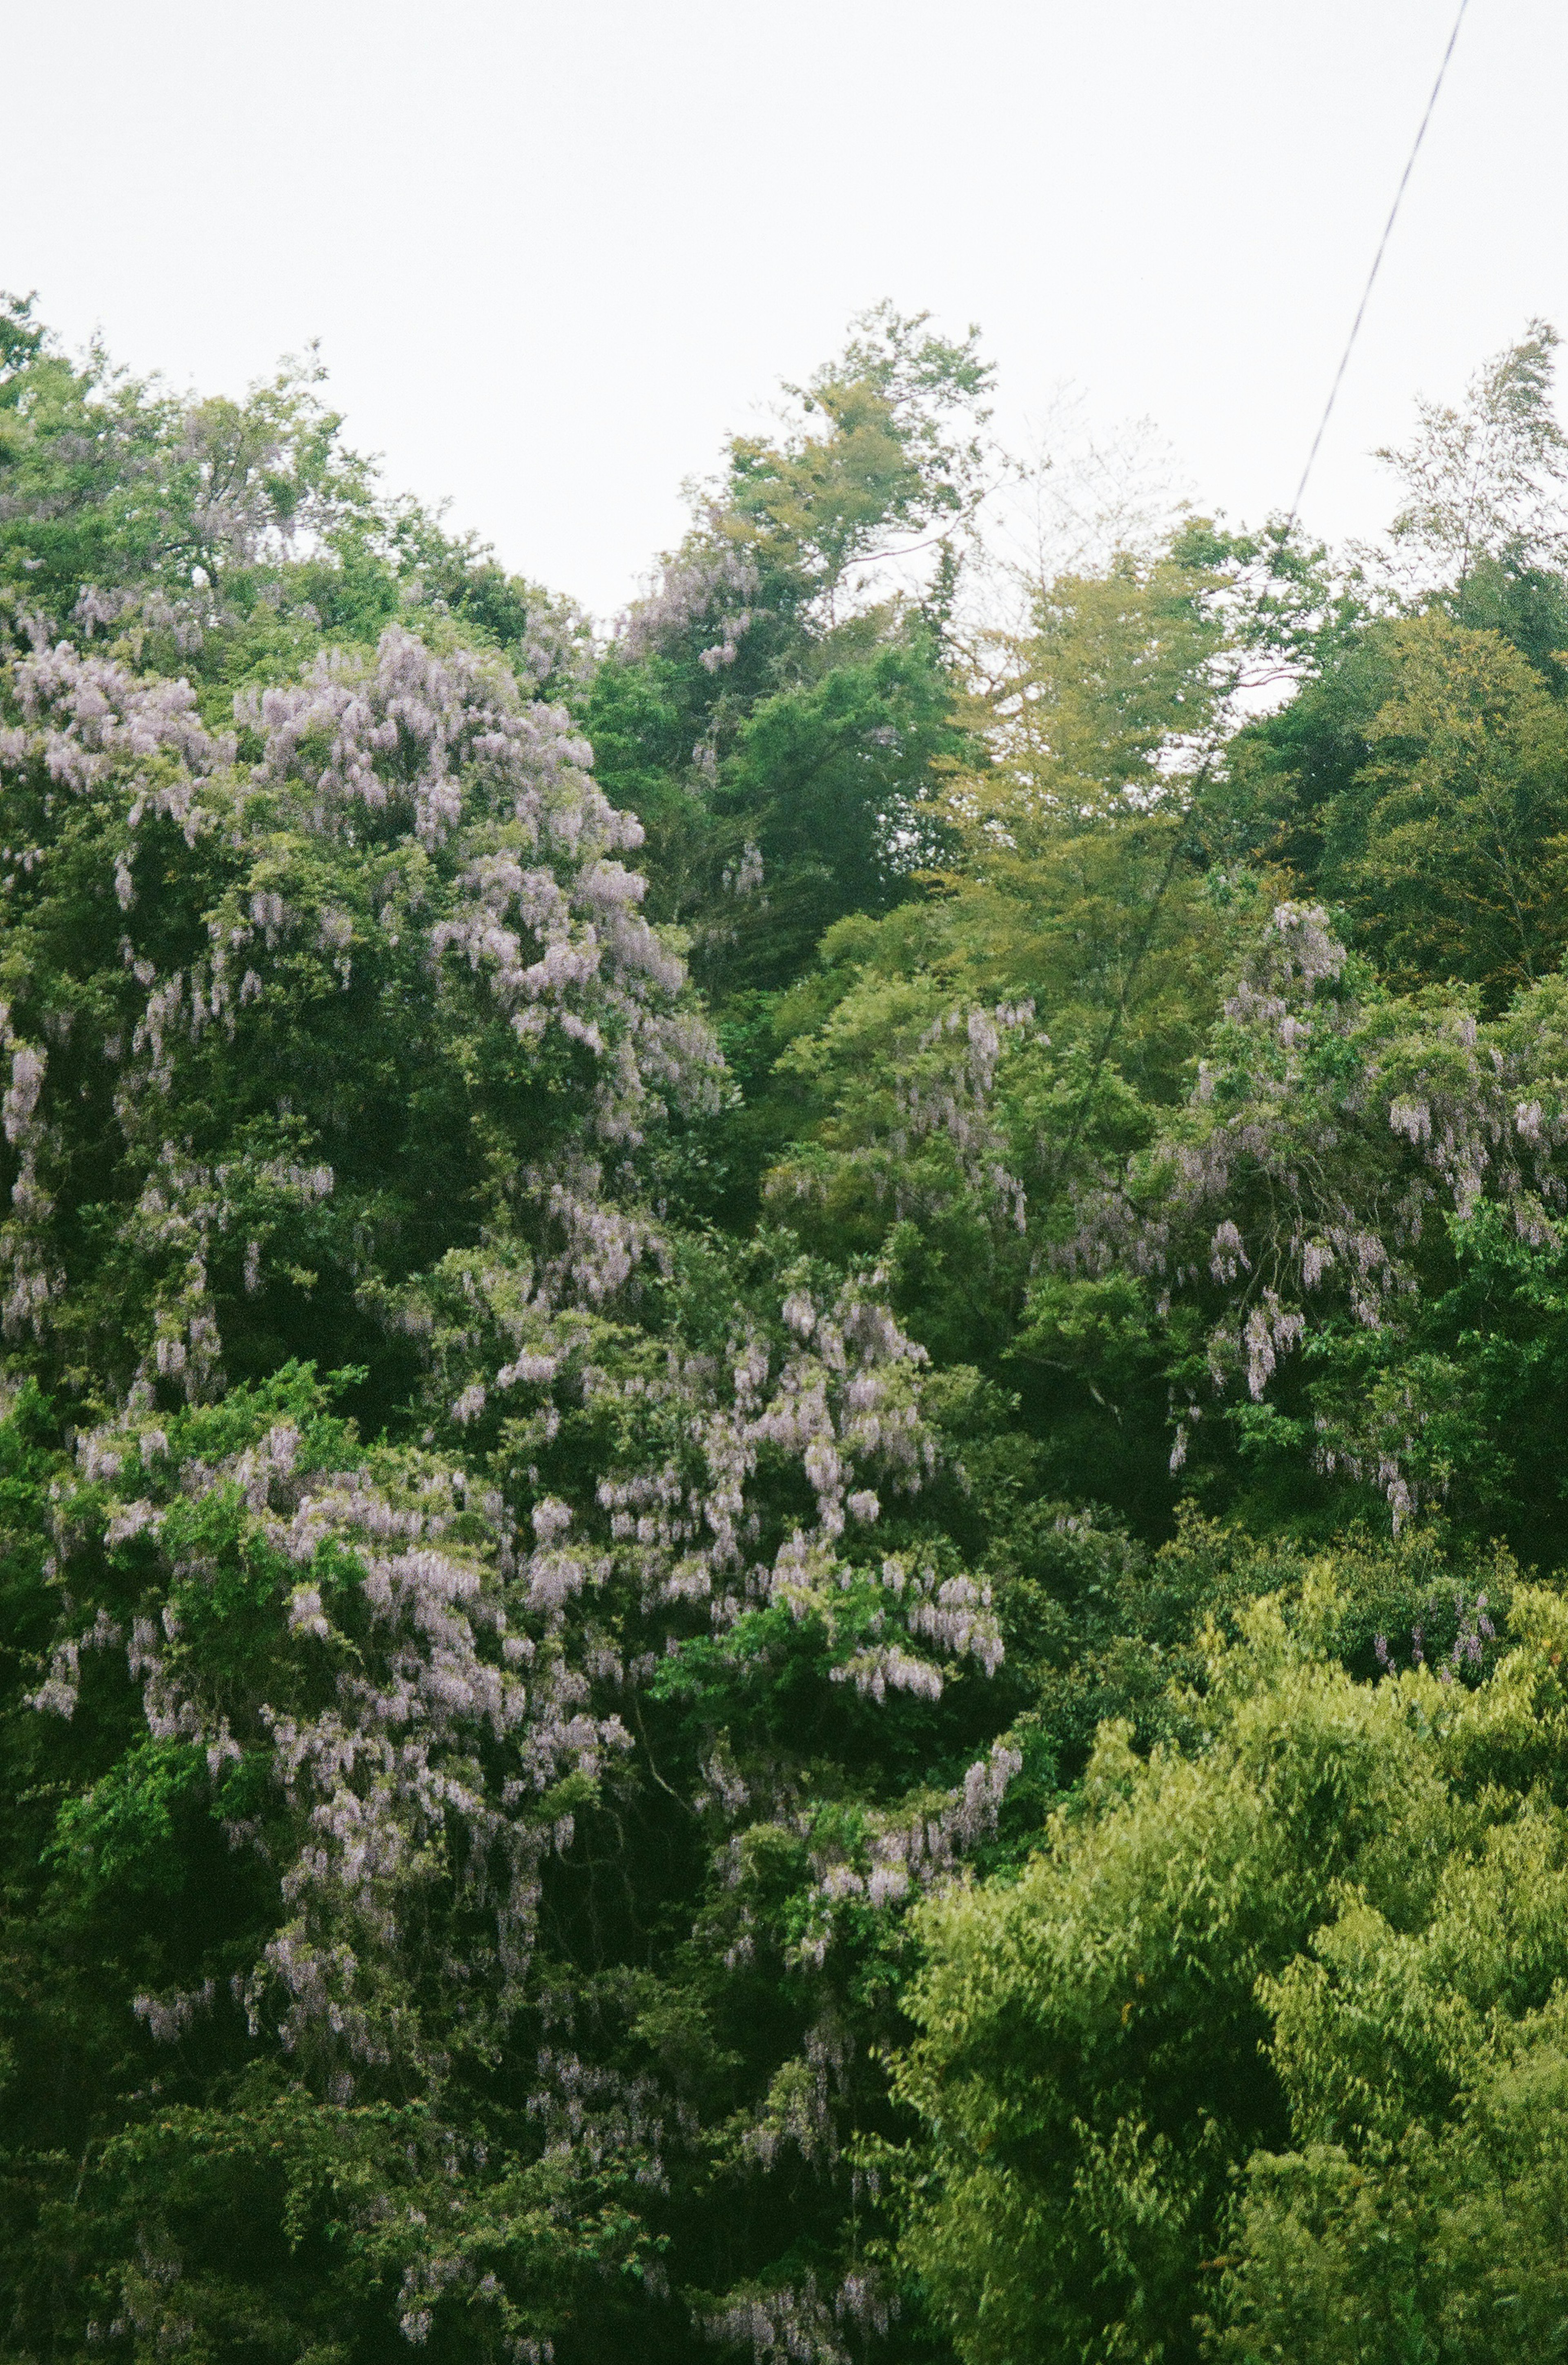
(781,1486)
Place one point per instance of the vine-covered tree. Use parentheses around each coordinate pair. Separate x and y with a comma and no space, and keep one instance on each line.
(779,1493)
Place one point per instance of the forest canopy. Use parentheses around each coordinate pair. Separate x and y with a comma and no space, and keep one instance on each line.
(781,1507)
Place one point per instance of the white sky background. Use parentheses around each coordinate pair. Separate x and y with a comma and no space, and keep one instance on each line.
(555,252)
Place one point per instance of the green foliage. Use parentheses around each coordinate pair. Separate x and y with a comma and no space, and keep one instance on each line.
(776,709)
(855,1655)
(1447,844)
(1312,1929)
(113,482)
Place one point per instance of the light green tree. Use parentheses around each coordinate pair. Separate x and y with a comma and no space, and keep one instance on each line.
(1337,1921)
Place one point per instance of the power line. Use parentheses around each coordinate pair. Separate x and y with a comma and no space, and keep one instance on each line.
(1211,753)
(1377,264)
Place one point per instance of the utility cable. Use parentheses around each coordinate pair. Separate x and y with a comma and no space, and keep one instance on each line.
(1376,267)
(1228,689)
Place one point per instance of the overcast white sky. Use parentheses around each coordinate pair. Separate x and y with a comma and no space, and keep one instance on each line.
(555,252)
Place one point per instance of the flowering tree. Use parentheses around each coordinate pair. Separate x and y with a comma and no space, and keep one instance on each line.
(569,1559)
(336,1035)
(1345,1155)
(223,975)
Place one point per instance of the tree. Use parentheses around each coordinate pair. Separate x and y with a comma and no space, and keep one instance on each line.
(1447,844)
(451,1794)
(1300,1950)
(774,708)
(581,1539)
(113,482)
(1482,485)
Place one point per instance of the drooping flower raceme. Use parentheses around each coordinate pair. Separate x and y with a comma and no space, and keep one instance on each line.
(208,934)
(349,1034)
(1332,1137)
